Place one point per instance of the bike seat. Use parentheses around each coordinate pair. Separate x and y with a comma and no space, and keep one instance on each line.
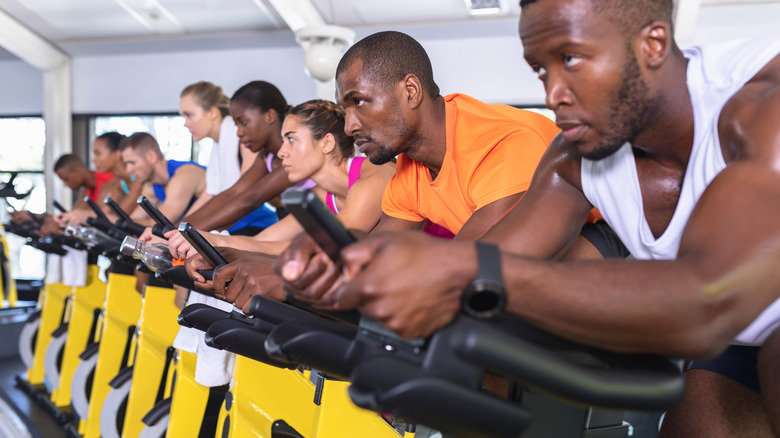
(243,336)
(200,316)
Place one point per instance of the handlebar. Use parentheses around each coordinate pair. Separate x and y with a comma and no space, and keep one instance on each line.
(163,224)
(600,378)
(125,223)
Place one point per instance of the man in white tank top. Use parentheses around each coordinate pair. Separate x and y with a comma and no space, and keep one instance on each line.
(680,150)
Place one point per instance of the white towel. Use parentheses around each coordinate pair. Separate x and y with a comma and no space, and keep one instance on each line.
(53,268)
(74,268)
(214,367)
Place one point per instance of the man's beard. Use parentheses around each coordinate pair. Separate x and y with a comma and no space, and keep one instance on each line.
(384,154)
(631,111)
(409,139)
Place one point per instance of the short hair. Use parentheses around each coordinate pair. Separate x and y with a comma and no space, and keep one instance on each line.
(323,117)
(140,142)
(68,162)
(112,139)
(388,57)
(208,96)
(631,15)
(262,95)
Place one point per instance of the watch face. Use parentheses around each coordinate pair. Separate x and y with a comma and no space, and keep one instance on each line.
(485,297)
(484,300)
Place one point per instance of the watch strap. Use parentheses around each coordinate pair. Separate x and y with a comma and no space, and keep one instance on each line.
(489,261)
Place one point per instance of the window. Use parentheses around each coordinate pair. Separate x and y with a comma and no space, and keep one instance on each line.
(22,142)
(175,140)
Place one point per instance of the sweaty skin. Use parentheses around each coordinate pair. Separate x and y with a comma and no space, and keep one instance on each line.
(697,303)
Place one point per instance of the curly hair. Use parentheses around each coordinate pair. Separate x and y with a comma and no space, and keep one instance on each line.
(388,57)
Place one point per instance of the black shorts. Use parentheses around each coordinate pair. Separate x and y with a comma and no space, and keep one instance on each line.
(605,240)
(737,363)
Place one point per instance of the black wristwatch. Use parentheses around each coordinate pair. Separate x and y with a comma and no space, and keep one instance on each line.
(485,297)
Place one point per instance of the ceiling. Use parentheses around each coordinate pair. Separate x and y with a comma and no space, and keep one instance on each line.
(95,27)
(83,27)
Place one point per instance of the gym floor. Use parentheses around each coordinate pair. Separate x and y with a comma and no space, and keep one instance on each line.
(38,421)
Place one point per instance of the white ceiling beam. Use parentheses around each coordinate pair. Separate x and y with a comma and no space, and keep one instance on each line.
(29,46)
(686,17)
(297,13)
(43,55)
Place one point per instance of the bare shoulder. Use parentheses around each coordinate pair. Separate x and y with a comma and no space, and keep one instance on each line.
(192,169)
(748,125)
(320,192)
(560,162)
(147,190)
(112,188)
(111,184)
(188,174)
(371,171)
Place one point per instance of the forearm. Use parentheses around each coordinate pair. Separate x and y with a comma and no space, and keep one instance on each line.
(253,189)
(628,306)
(247,243)
(221,212)
(200,202)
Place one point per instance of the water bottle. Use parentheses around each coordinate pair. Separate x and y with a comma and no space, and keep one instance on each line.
(155,256)
(91,236)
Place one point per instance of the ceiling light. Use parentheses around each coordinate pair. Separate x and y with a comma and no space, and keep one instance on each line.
(486,7)
(324,46)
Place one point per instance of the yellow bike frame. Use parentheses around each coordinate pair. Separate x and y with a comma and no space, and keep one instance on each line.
(9,292)
(52,304)
(121,312)
(85,304)
(157,327)
(261,395)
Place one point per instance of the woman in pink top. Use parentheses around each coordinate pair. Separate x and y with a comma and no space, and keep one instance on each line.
(315,147)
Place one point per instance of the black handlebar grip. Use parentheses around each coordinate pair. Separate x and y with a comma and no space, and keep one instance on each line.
(59,206)
(318,221)
(96,208)
(201,245)
(125,222)
(155,214)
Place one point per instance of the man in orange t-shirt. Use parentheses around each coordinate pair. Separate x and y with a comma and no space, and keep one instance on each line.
(491,152)
(461,163)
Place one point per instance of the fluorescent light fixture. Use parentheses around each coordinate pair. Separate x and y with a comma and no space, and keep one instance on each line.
(152,15)
(486,7)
